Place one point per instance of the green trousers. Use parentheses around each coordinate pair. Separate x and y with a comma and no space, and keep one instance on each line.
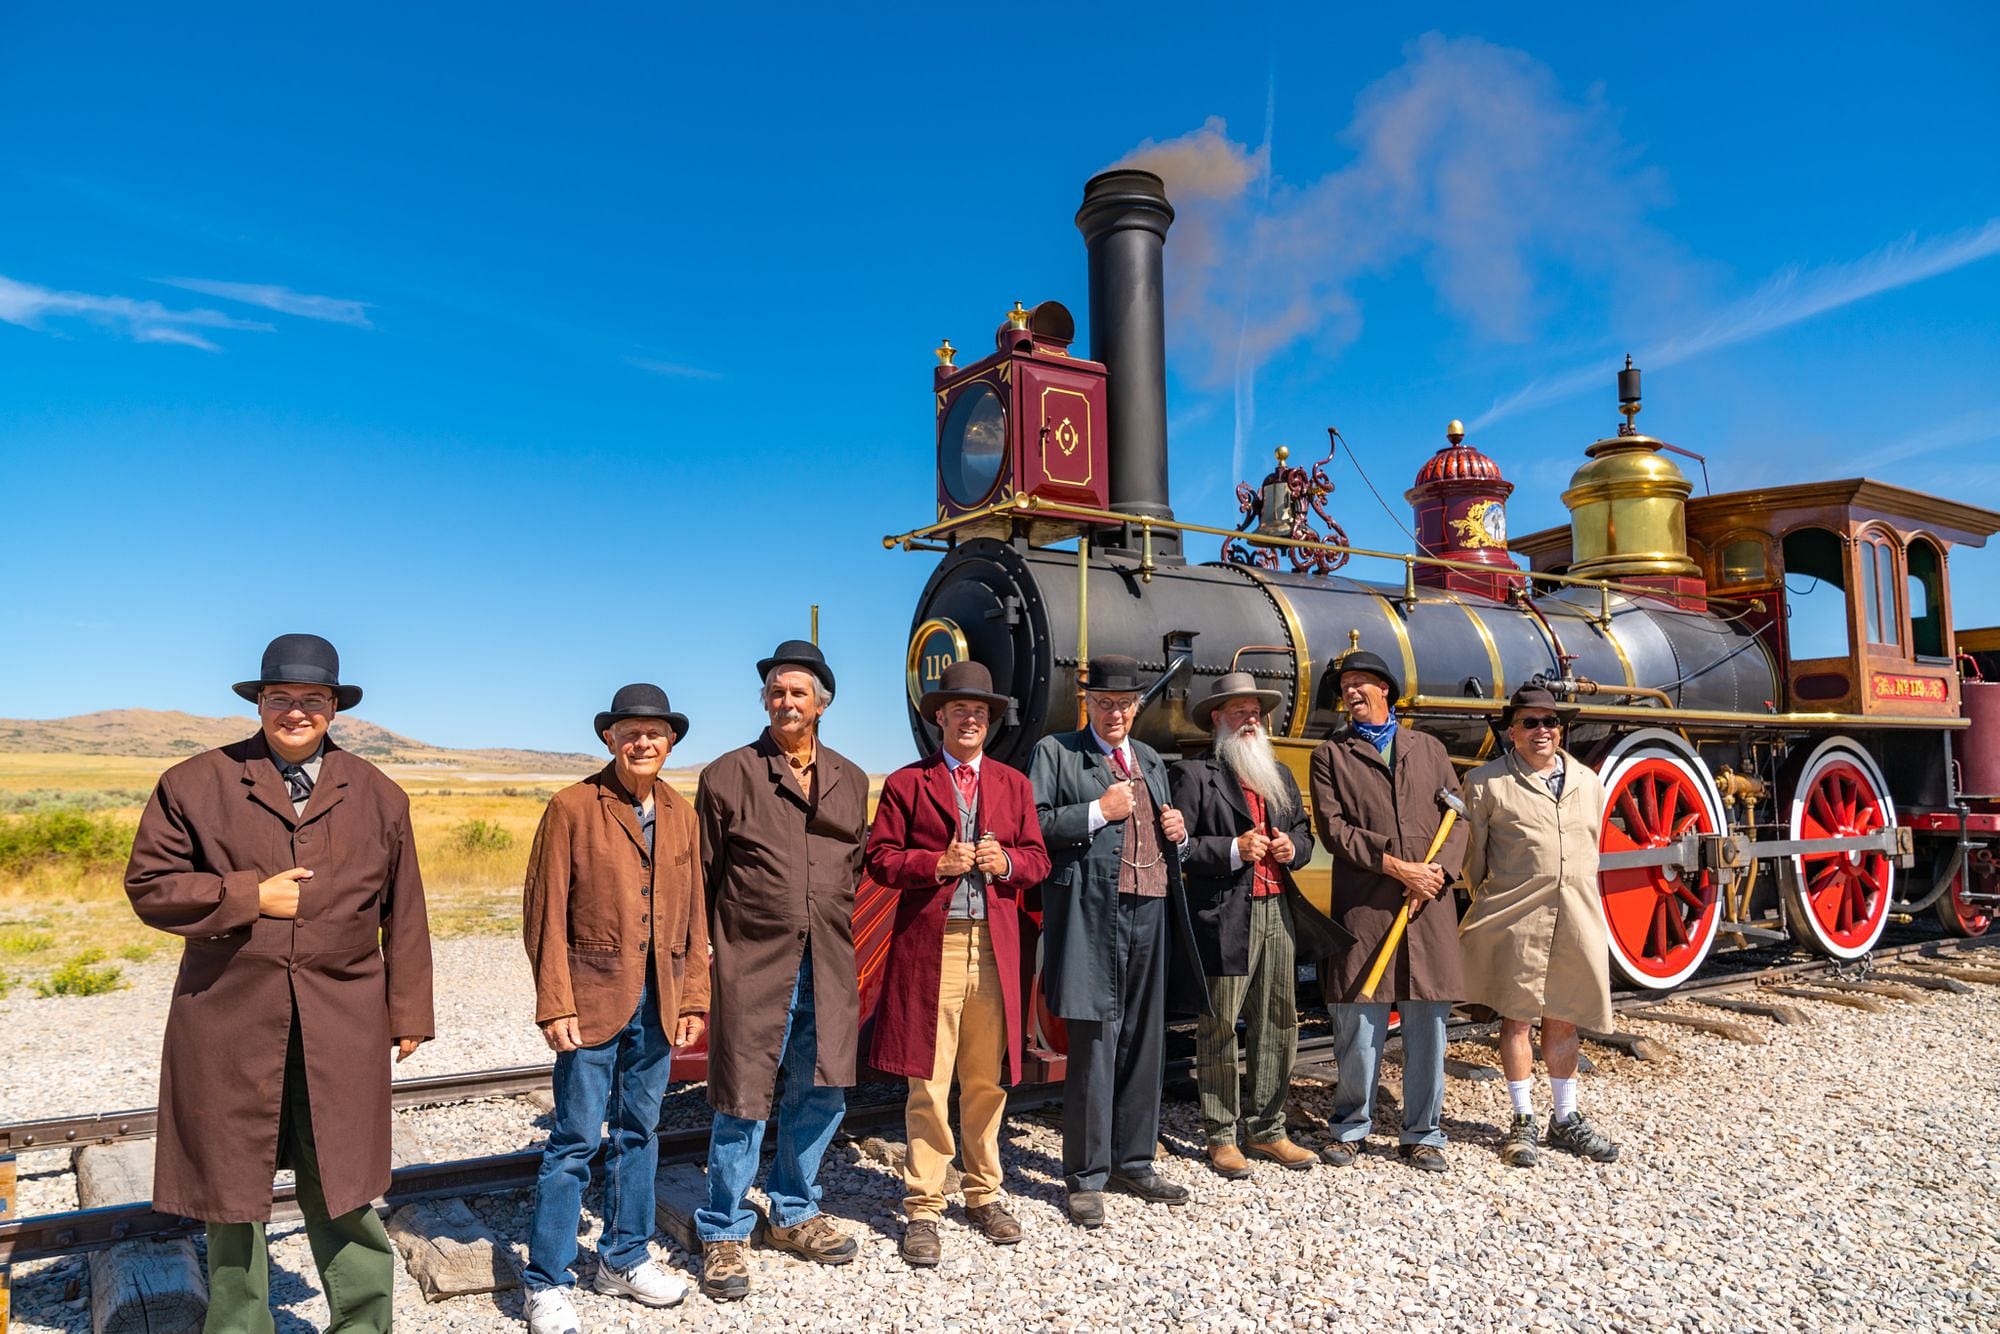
(355,1259)
(1265,997)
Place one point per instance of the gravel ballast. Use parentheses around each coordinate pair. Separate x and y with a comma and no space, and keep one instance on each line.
(1842,1176)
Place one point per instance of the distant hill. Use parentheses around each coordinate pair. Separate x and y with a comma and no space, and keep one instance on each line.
(170,735)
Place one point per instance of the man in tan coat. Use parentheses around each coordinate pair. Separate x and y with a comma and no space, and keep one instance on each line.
(783,822)
(1534,937)
(288,867)
(617,933)
(1375,787)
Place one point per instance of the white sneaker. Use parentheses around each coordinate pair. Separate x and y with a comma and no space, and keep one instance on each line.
(644,1282)
(550,1312)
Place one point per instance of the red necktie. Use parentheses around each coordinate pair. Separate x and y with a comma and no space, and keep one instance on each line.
(967,778)
(1118,758)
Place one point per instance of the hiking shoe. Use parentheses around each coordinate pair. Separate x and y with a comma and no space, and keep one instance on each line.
(1576,1135)
(1518,1149)
(550,1312)
(725,1271)
(1423,1157)
(1340,1152)
(644,1282)
(815,1239)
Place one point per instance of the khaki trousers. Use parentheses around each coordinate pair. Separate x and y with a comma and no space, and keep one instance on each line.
(971,1039)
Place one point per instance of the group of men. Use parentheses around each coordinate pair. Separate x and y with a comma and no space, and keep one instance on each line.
(651,922)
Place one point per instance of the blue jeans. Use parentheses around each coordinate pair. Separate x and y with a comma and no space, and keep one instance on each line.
(619,1082)
(1360,1031)
(807,1117)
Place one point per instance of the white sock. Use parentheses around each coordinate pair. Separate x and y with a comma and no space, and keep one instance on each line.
(1565,1091)
(1520,1092)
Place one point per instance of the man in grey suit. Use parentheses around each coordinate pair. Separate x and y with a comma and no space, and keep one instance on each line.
(1118,947)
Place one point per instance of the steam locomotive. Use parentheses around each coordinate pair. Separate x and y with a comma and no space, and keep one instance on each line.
(1795,745)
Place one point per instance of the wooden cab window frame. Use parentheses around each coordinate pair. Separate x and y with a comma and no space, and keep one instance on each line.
(1879,553)
(1720,551)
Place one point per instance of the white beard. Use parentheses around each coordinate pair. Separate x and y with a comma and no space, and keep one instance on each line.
(1249,756)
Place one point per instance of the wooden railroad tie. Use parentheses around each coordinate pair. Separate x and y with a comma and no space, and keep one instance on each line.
(1722,1028)
(1925,981)
(1852,1002)
(1776,1011)
(446,1247)
(1958,972)
(137,1285)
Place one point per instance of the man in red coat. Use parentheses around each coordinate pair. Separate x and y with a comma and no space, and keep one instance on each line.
(960,840)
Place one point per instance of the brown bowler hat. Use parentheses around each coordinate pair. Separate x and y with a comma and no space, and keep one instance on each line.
(1228,686)
(964,680)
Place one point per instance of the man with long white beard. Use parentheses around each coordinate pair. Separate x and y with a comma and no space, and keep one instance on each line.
(1247,833)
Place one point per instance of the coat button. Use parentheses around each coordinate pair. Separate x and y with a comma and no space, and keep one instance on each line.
(646,893)
(803,933)
(645,863)
(645,918)
(304,837)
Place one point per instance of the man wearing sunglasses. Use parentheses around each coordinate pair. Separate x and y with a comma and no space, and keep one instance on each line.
(288,867)
(1533,939)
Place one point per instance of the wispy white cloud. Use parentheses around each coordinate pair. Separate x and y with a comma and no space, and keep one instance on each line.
(1467,160)
(34,307)
(1792,296)
(305,305)
(674,369)
(1971,428)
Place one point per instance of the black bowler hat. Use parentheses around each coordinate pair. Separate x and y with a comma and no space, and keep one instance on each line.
(642,701)
(1361,660)
(964,680)
(1534,697)
(798,653)
(1113,673)
(305,660)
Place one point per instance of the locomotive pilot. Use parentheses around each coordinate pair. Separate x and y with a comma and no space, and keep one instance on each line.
(1247,832)
(288,866)
(1376,789)
(617,935)
(956,835)
(783,821)
(1118,948)
(1534,937)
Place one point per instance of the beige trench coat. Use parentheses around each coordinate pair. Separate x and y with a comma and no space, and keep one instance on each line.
(1534,941)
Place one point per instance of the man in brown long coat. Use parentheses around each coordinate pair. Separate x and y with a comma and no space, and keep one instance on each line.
(617,932)
(288,867)
(783,821)
(1375,788)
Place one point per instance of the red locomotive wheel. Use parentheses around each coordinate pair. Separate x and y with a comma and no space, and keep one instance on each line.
(1660,920)
(1839,901)
(1959,916)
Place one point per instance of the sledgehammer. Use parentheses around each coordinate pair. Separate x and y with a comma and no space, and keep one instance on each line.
(1453,809)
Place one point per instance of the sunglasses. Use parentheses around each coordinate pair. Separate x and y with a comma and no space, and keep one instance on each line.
(1538,724)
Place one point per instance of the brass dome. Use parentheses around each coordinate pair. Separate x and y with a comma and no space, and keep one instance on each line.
(1628,515)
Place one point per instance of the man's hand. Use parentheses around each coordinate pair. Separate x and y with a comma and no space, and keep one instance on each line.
(1422,881)
(989,857)
(1116,803)
(1282,849)
(405,1046)
(562,1034)
(1173,824)
(688,1030)
(1251,846)
(957,860)
(279,896)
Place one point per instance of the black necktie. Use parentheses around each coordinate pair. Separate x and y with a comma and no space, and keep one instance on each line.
(298,782)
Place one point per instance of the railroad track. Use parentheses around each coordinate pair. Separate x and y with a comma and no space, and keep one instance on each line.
(48,1235)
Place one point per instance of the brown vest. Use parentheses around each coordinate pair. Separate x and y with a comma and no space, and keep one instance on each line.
(1142,867)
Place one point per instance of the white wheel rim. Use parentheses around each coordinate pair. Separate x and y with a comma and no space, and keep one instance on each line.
(1627,905)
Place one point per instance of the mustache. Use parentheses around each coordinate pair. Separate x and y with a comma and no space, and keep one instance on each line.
(789,715)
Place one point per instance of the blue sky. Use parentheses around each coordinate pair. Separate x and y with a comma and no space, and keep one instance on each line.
(526,351)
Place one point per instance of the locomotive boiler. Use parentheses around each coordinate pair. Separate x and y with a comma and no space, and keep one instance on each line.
(1767,681)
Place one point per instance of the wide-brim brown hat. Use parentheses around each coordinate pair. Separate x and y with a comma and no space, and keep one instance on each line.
(1228,686)
(642,701)
(302,660)
(964,680)
(1533,697)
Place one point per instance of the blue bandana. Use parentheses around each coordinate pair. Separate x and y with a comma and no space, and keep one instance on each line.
(1378,735)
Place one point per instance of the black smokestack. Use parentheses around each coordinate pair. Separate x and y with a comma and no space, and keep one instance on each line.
(1124,221)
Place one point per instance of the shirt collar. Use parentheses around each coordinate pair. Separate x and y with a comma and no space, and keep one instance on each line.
(1124,747)
(952,765)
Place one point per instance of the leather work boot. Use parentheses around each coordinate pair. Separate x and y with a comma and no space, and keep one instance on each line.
(1228,1162)
(920,1242)
(1518,1149)
(815,1239)
(725,1271)
(995,1223)
(1150,1187)
(1282,1152)
(1086,1208)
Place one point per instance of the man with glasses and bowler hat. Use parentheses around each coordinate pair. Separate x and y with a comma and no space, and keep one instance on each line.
(1118,948)
(616,928)
(783,822)
(287,866)
(1534,937)
(1376,800)
(956,835)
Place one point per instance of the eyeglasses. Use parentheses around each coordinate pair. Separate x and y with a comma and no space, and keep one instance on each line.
(1538,724)
(285,703)
(1109,704)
